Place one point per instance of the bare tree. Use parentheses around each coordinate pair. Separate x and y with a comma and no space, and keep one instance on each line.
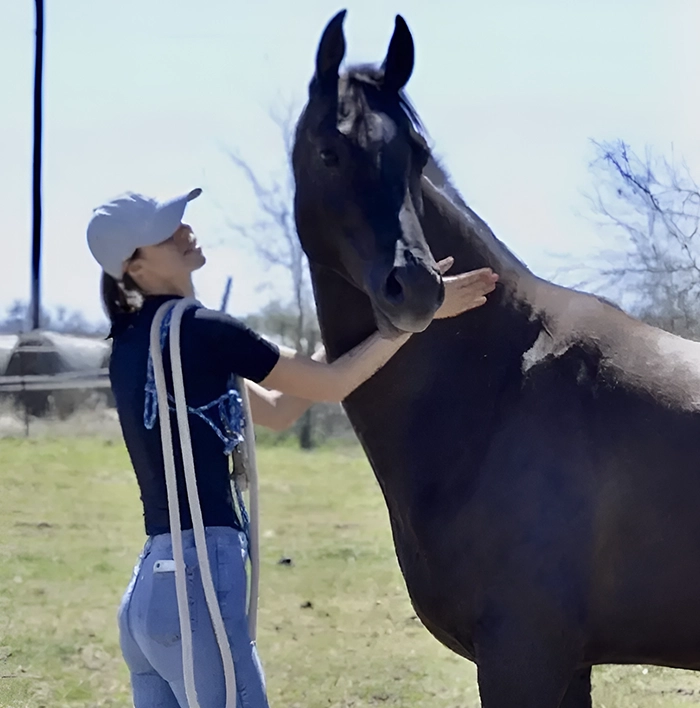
(651,207)
(273,236)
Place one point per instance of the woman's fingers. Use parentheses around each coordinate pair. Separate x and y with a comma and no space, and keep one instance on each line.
(484,277)
(466,291)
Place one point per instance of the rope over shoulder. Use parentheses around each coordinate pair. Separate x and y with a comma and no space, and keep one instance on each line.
(159,329)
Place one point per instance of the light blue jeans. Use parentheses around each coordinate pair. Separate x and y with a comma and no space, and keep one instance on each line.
(149,627)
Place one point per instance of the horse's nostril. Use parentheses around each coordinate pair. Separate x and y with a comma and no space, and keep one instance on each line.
(393,289)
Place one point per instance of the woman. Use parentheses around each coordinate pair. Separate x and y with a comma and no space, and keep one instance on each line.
(148,256)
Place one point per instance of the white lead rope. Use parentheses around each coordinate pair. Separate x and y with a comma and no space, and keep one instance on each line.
(195,509)
(245,456)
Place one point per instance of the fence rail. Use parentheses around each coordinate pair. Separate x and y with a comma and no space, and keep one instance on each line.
(91,378)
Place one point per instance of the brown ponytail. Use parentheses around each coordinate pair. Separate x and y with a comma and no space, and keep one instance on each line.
(120,297)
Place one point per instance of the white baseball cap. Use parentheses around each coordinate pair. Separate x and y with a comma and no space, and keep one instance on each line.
(132,221)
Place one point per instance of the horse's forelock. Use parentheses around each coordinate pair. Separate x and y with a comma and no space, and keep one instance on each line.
(353,91)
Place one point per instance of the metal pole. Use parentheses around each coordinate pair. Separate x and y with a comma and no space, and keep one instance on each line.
(36,167)
(227,292)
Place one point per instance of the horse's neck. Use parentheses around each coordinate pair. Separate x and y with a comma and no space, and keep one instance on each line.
(453,229)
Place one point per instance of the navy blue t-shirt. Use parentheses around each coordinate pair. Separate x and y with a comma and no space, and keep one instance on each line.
(214,346)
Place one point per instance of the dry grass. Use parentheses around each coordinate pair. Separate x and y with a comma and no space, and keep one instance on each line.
(91,420)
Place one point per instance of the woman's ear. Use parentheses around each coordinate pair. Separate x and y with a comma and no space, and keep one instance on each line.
(134,267)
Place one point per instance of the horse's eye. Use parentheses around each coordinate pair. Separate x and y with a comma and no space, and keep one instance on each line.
(330,158)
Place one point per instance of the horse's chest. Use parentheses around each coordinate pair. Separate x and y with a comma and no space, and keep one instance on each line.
(441,590)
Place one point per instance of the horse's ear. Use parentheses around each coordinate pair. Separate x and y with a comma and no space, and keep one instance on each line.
(331,50)
(398,65)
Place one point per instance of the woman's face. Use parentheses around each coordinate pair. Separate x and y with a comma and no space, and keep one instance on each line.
(171,261)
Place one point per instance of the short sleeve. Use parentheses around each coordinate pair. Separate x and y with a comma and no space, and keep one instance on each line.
(234,346)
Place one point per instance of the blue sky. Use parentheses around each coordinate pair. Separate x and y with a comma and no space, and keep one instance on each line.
(142,94)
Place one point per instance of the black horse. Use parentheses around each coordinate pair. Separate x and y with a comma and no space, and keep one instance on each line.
(539,456)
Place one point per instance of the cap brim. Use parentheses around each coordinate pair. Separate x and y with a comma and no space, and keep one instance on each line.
(168,217)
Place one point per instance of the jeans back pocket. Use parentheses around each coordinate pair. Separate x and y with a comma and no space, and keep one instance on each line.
(162,618)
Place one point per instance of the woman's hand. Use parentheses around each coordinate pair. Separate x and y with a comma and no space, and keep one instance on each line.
(465,291)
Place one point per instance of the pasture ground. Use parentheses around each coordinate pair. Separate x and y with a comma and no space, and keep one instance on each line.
(336,626)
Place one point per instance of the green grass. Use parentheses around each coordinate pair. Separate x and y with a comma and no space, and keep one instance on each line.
(336,627)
